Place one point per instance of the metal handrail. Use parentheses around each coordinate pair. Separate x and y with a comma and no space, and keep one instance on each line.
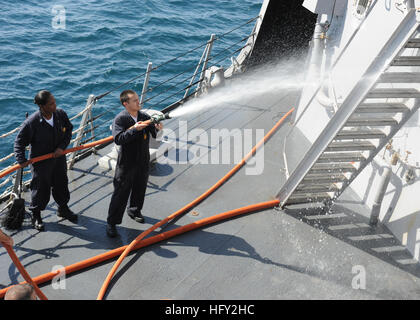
(217,37)
(5,135)
(9,133)
(190,69)
(174,59)
(86,125)
(145,84)
(191,84)
(149,69)
(7,157)
(395,44)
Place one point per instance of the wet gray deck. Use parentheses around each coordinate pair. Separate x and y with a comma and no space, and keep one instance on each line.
(272,254)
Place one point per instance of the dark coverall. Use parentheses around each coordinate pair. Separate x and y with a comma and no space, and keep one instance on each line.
(50,173)
(132,169)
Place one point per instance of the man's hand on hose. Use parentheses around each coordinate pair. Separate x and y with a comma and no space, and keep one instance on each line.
(141,125)
(58,153)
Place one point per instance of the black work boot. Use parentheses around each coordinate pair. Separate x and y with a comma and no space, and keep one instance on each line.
(37,221)
(66,213)
(111,230)
(136,216)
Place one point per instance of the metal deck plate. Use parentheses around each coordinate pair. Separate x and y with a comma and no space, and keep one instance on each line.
(298,253)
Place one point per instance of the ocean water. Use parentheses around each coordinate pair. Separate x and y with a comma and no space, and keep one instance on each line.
(77,48)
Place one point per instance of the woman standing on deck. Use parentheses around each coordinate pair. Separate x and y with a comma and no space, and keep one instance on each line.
(47,130)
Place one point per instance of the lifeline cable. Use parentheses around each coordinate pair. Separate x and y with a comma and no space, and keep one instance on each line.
(173,59)
(9,249)
(51,155)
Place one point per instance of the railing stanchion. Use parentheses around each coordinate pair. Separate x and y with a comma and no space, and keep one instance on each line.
(195,72)
(92,133)
(86,115)
(208,51)
(16,186)
(145,84)
(83,123)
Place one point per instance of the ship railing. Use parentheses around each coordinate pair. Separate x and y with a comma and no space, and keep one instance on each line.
(172,84)
(9,133)
(178,87)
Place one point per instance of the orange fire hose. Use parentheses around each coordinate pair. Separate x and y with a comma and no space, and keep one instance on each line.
(152,240)
(137,244)
(190,205)
(23,272)
(7,171)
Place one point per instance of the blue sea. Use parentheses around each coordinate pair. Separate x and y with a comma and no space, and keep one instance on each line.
(77,48)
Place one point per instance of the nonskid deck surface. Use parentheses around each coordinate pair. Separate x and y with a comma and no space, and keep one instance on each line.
(272,254)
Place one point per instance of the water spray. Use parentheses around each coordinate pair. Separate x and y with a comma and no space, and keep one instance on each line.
(285,76)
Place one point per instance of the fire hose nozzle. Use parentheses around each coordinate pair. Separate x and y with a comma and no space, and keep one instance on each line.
(156,118)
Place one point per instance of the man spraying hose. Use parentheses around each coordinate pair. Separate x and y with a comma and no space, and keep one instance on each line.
(131,130)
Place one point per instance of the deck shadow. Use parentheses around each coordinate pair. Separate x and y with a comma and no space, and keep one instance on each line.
(354,229)
(214,244)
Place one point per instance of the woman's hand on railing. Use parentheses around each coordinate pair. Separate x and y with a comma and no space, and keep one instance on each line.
(25,164)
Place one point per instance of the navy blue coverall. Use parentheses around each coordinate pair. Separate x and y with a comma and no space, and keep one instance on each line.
(132,169)
(51,173)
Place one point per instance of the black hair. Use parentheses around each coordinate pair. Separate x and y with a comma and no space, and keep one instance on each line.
(42,97)
(124,96)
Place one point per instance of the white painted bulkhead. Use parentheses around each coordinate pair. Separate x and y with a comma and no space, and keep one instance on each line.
(400,209)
